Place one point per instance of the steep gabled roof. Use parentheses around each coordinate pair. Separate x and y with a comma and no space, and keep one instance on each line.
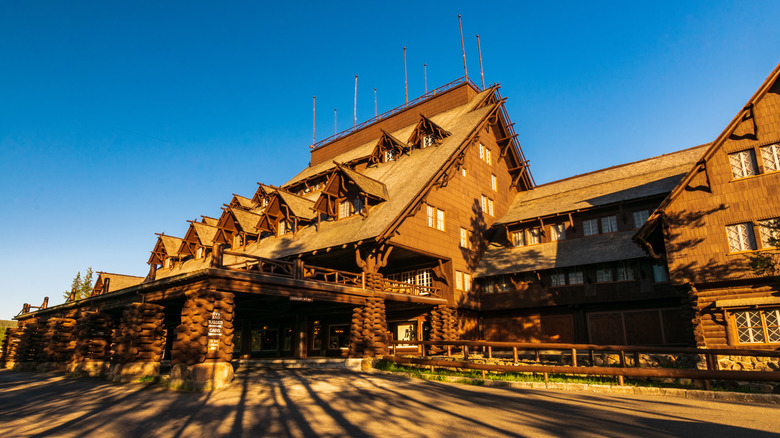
(116,282)
(640,179)
(171,244)
(300,207)
(205,232)
(209,221)
(239,201)
(746,113)
(366,185)
(262,191)
(427,126)
(388,142)
(246,220)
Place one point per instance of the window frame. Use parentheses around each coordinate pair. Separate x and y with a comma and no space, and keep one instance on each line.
(594,227)
(774,150)
(609,222)
(769,332)
(748,238)
(745,157)
(557,232)
(493,182)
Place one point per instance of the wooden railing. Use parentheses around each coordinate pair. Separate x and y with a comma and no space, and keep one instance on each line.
(267,266)
(629,364)
(401,287)
(335,276)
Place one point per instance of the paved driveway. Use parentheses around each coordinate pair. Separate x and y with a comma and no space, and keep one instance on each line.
(343,403)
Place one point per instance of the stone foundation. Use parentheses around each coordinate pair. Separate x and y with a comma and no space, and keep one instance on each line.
(748,363)
(128,372)
(25,366)
(206,376)
(46,367)
(91,368)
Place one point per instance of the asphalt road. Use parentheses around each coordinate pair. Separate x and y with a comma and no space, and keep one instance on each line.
(343,403)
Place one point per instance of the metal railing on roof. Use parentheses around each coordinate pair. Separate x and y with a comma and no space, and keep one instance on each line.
(386,114)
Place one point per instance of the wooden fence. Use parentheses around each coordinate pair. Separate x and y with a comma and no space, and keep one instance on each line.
(466,350)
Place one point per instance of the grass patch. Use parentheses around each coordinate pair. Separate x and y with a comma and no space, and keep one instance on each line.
(475,377)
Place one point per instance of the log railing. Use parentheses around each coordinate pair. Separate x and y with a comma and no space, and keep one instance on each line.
(625,367)
(298,270)
(401,287)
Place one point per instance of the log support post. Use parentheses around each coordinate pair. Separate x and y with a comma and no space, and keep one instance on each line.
(92,345)
(139,341)
(203,350)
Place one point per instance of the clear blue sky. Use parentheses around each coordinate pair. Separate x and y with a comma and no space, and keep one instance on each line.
(122,119)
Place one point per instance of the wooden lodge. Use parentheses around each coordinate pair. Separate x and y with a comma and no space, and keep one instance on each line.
(426,224)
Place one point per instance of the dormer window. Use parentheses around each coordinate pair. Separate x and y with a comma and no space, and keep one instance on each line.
(237,241)
(199,252)
(389,155)
(168,262)
(284,228)
(429,140)
(349,208)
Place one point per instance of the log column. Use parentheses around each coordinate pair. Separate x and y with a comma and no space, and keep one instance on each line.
(203,349)
(10,347)
(92,344)
(444,326)
(58,344)
(139,340)
(368,331)
(30,346)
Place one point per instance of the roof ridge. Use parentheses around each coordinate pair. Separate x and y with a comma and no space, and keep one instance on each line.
(617,166)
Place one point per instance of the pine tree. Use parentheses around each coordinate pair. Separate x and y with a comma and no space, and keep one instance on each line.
(82,286)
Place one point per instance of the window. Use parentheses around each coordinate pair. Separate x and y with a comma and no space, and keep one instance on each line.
(518,238)
(503,283)
(168,262)
(624,272)
(465,238)
(534,236)
(481,151)
(557,232)
(771,156)
(660,274)
(743,163)
(431,216)
(284,227)
(463,171)
(389,155)
(199,253)
(487,156)
(440,220)
(357,206)
(770,233)
(604,274)
(466,282)
(640,217)
(494,183)
(740,237)
(422,277)
(558,279)
(757,326)
(483,203)
(490,207)
(590,227)
(576,277)
(609,224)
(429,140)
(344,209)
(458,280)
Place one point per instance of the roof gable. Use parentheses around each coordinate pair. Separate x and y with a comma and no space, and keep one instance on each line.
(424,128)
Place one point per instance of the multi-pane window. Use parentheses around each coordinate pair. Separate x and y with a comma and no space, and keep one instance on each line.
(660,274)
(483,203)
(463,171)
(558,279)
(609,224)
(422,277)
(624,272)
(389,155)
(458,280)
(200,252)
(640,217)
(490,207)
(758,326)
(284,227)
(743,163)
(590,227)
(349,208)
(481,151)
(603,274)
(494,183)
(487,156)
(496,284)
(558,232)
(741,237)
(534,236)
(466,282)
(576,277)
(429,140)
(771,156)
(770,233)
(465,238)
(435,218)
(518,238)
